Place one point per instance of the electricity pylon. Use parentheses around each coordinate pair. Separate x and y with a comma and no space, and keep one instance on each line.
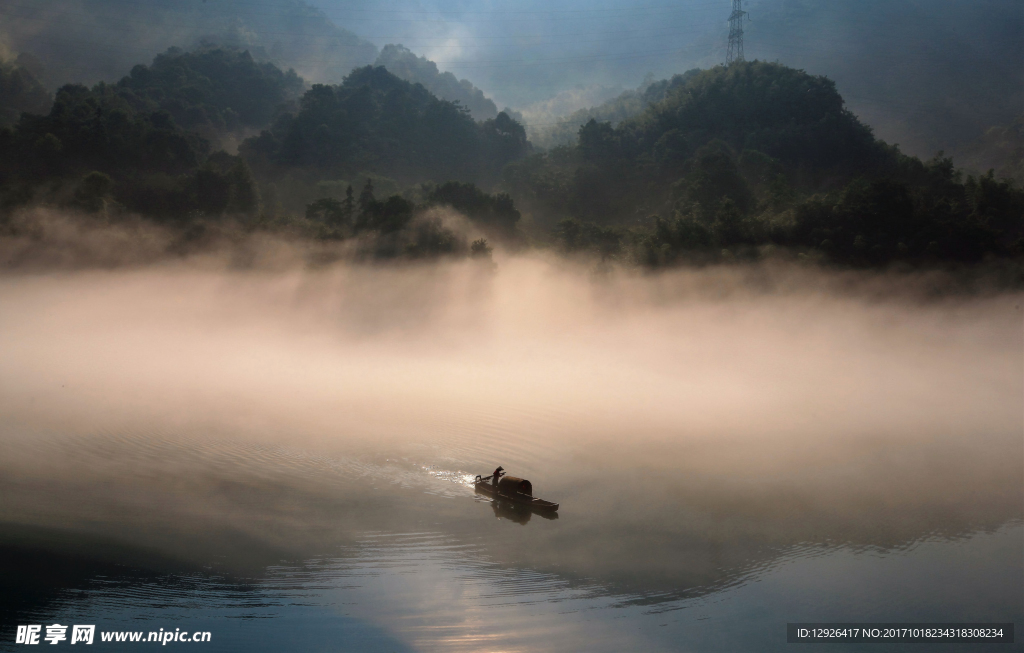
(735,52)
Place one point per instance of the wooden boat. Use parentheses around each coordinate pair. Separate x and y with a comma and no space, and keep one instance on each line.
(516,490)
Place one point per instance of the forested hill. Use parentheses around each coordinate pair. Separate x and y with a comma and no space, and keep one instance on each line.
(215,90)
(721,163)
(931,75)
(376,122)
(20,90)
(626,105)
(87,41)
(756,153)
(796,121)
(148,143)
(419,70)
(159,118)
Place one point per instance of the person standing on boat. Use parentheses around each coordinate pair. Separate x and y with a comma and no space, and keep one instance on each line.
(496,476)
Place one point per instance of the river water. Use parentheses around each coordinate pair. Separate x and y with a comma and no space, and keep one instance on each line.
(284,458)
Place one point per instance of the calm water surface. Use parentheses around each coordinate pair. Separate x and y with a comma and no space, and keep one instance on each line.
(884,484)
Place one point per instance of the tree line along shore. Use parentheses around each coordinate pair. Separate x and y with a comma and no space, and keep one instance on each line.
(730,163)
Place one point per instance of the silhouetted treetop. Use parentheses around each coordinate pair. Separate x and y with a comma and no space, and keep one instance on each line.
(20,92)
(223,89)
(106,128)
(403,63)
(797,118)
(495,213)
(376,122)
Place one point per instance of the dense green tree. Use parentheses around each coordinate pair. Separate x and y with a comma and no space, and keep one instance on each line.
(808,176)
(495,213)
(376,122)
(796,120)
(574,236)
(873,222)
(676,240)
(386,216)
(400,61)
(348,205)
(1001,149)
(430,239)
(222,185)
(631,103)
(480,249)
(20,92)
(718,164)
(104,128)
(787,114)
(366,198)
(326,210)
(94,192)
(712,177)
(217,89)
(140,126)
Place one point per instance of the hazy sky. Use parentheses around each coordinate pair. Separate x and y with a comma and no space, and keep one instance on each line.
(927,74)
(531,49)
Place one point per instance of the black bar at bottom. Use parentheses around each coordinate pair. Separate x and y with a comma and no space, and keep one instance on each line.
(908,633)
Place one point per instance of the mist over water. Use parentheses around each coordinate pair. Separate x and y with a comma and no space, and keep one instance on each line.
(698,427)
(284,282)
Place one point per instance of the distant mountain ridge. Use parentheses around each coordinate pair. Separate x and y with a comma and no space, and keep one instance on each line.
(377,122)
(756,153)
(20,90)
(86,41)
(928,74)
(565,129)
(294,34)
(404,64)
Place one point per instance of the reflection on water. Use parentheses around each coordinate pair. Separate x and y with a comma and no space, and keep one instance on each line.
(519,513)
(193,453)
